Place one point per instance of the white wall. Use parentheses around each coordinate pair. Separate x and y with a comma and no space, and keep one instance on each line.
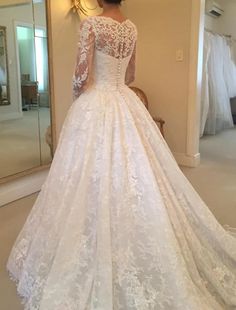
(227,23)
(211,23)
(40,14)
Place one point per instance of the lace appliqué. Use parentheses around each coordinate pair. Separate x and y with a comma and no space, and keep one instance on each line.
(84,58)
(109,33)
(108,36)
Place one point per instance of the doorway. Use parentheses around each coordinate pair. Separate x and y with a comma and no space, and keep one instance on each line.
(213,105)
(212,85)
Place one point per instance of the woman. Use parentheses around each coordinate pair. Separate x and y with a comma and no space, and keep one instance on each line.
(117,225)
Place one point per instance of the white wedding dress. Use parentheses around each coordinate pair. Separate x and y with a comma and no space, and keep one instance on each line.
(205,98)
(220,79)
(116,224)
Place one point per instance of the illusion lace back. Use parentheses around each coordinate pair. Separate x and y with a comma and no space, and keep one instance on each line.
(116,224)
(106,56)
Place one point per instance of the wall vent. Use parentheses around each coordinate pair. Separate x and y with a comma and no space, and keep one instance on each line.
(214,9)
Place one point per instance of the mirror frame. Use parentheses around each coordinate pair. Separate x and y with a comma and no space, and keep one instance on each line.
(52,105)
(4,29)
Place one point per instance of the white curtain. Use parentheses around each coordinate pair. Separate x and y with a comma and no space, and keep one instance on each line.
(219,85)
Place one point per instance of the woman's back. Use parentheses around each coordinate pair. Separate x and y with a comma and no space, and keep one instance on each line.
(116,39)
(107,53)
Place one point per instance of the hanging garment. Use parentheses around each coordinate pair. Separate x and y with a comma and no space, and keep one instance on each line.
(233,50)
(229,69)
(219,113)
(205,83)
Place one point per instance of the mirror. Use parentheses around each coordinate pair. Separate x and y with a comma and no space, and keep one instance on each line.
(25,112)
(4,82)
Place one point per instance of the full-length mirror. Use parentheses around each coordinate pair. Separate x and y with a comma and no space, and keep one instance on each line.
(4,82)
(25,109)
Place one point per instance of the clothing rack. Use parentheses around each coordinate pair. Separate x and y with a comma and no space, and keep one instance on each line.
(228,36)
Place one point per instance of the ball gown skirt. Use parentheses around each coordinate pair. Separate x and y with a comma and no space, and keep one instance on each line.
(117,225)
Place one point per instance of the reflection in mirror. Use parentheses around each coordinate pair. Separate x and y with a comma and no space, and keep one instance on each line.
(4,83)
(39,9)
(25,124)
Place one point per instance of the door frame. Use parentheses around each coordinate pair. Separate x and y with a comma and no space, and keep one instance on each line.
(17,23)
(195,81)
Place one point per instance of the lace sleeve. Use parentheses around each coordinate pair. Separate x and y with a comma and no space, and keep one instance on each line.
(84,62)
(130,72)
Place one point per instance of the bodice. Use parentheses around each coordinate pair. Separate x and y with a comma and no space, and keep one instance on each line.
(106,55)
(109,72)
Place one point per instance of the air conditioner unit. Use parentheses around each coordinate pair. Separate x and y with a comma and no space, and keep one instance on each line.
(214,9)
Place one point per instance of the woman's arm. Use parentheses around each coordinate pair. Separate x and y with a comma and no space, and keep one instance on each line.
(84,62)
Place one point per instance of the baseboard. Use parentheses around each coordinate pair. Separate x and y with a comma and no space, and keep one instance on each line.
(187,160)
(10,116)
(22,187)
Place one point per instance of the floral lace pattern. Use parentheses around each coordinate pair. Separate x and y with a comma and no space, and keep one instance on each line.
(109,37)
(116,224)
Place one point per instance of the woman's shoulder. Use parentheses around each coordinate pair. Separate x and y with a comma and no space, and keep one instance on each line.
(99,21)
(108,20)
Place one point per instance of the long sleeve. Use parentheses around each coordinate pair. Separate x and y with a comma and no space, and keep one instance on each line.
(84,64)
(130,72)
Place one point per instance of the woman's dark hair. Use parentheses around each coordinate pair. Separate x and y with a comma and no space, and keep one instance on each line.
(113,1)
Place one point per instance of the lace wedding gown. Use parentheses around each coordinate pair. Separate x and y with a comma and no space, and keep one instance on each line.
(219,74)
(116,224)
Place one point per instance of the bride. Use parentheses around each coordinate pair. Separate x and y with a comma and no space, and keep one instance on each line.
(116,224)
